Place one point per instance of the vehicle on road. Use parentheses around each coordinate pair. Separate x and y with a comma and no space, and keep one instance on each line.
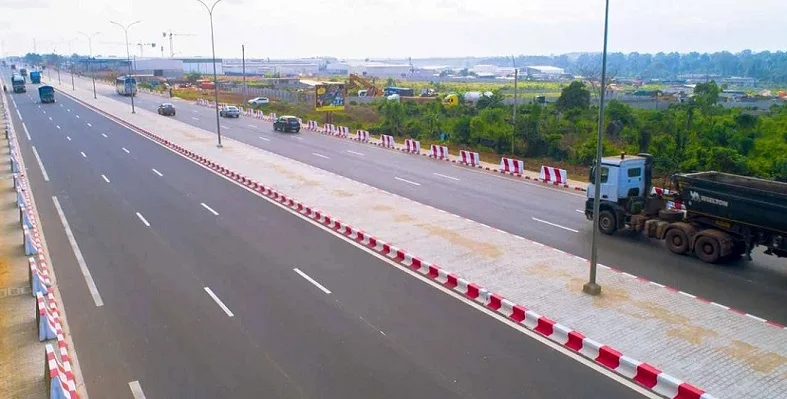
(725,216)
(126,85)
(230,111)
(166,109)
(46,93)
(18,83)
(23,72)
(287,123)
(259,101)
(35,77)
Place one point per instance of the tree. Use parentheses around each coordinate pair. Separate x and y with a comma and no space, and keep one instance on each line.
(575,96)
(491,129)
(493,101)
(393,115)
(193,77)
(706,94)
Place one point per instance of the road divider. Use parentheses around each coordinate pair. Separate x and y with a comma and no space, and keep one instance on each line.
(438,152)
(512,166)
(387,141)
(412,146)
(312,125)
(362,136)
(553,175)
(342,131)
(469,158)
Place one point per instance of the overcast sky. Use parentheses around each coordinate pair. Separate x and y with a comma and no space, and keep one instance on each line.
(394,28)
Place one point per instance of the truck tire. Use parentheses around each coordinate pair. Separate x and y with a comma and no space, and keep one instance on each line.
(707,249)
(670,215)
(607,223)
(677,241)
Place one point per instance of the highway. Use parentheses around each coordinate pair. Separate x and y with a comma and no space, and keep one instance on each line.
(547,215)
(207,290)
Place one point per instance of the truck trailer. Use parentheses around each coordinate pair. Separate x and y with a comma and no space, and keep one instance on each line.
(35,77)
(720,216)
(18,83)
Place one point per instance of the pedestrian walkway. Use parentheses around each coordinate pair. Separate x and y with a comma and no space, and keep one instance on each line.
(727,354)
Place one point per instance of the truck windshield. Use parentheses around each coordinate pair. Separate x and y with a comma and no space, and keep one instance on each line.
(604,174)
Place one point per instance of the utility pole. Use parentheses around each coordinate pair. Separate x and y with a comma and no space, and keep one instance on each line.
(215,78)
(128,55)
(516,102)
(90,64)
(243,67)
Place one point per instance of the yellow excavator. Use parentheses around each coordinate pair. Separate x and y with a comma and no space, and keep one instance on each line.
(366,88)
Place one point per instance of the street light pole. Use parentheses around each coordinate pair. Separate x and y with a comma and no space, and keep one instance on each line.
(215,78)
(243,67)
(591,287)
(128,56)
(90,64)
(516,102)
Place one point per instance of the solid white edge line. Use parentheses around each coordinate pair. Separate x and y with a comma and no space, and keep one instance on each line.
(204,205)
(105,178)
(219,302)
(27,133)
(40,163)
(751,316)
(522,329)
(407,181)
(555,225)
(91,285)
(263,138)
(157,172)
(580,211)
(136,390)
(354,152)
(127,151)
(447,177)
(311,280)
(142,218)
(320,155)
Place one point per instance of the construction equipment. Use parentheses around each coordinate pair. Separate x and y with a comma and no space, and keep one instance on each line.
(367,89)
(143,45)
(170,35)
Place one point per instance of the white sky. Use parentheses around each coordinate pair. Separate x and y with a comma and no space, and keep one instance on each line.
(394,28)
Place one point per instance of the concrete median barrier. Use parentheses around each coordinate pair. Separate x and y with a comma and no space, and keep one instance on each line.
(56,376)
(438,152)
(412,146)
(387,141)
(553,175)
(512,166)
(38,275)
(469,158)
(30,245)
(362,136)
(44,319)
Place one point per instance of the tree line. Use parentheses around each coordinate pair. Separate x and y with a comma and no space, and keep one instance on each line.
(698,135)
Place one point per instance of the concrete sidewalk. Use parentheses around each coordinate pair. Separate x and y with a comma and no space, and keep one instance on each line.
(725,353)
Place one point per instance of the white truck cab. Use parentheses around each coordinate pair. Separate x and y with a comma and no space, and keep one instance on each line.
(622,177)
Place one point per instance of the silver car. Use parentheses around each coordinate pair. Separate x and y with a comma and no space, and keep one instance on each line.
(230,112)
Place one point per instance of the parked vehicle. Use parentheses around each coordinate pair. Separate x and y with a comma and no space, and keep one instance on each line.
(230,111)
(287,123)
(724,216)
(259,101)
(166,109)
(46,93)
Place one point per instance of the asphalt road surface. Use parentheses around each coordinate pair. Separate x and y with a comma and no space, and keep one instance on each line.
(210,291)
(758,287)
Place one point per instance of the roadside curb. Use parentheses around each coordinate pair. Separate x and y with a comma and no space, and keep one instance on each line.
(642,373)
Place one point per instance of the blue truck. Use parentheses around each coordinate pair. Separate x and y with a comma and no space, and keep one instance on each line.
(46,93)
(35,77)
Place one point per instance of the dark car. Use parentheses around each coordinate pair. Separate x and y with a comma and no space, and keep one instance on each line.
(166,109)
(287,124)
(230,111)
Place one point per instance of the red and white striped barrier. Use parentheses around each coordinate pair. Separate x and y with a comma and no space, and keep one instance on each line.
(271,117)
(249,112)
(554,175)
(259,115)
(56,374)
(438,151)
(328,128)
(513,166)
(387,141)
(362,136)
(203,102)
(312,125)
(469,158)
(342,131)
(412,146)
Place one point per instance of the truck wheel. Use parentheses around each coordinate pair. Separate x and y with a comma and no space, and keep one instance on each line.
(677,241)
(607,223)
(707,249)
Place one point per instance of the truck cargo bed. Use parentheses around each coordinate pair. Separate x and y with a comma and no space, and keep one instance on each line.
(744,200)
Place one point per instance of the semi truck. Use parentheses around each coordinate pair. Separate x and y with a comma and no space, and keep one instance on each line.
(18,83)
(23,72)
(35,77)
(723,216)
(46,93)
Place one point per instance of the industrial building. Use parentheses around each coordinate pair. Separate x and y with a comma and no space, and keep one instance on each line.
(262,67)
(376,69)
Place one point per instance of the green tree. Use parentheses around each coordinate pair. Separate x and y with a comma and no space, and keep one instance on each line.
(393,116)
(193,77)
(706,94)
(574,96)
(491,129)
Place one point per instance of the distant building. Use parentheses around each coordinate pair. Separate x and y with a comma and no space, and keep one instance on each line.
(159,67)
(543,72)
(201,65)
(736,81)
(262,67)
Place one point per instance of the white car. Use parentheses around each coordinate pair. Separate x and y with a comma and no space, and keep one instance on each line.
(259,101)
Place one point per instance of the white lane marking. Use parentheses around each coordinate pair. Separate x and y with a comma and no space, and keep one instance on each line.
(447,177)
(555,225)
(720,305)
(518,181)
(57,126)
(219,302)
(83,154)
(61,105)
(298,138)
(127,151)
(311,280)
(195,111)
(320,155)
(50,118)
(40,163)
(407,181)
(225,127)
(77,116)
(91,285)
(67,109)
(657,284)
(104,135)
(196,119)
(209,209)
(251,126)
(69,138)
(136,390)
(263,138)
(105,178)
(26,132)
(142,218)
(751,316)
(157,172)
(44,111)
(355,152)
(580,211)
(627,274)
(20,115)
(89,125)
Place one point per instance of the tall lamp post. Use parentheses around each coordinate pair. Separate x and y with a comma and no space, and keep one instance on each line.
(128,55)
(591,287)
(90,66)
(215,79)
